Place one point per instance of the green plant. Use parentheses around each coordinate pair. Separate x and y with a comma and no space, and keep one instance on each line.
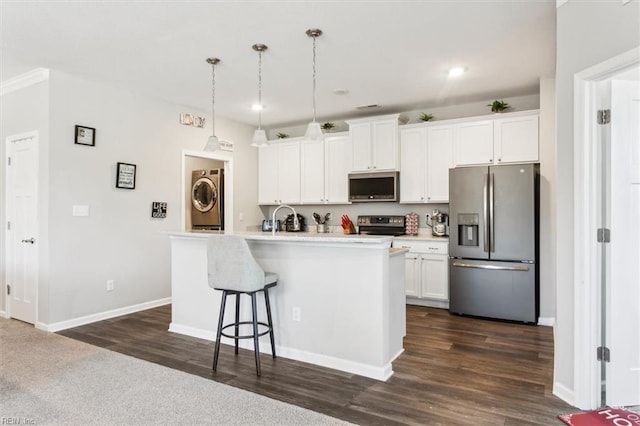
(426,117)
(328,126)
(282,135)
(498,106)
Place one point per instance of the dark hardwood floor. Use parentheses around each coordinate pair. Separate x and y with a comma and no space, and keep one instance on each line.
(454,370)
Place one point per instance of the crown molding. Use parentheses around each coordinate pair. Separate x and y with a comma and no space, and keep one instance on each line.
(560,3)
(24,80)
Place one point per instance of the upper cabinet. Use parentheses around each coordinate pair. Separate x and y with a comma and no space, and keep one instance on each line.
(512,138)
(375,143)
(426,154)
(279,173)
(325,165)
(516,139)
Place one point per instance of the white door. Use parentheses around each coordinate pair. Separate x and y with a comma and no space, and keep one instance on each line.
(312,171)
(623,287)
(412,164)
(22,233)
(268,175)
(338,166)
(439,161)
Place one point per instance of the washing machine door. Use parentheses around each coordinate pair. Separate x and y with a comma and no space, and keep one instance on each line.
(204,194)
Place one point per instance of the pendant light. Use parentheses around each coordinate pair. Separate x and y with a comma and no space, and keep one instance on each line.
(314,132)
(213,144)
(259,136)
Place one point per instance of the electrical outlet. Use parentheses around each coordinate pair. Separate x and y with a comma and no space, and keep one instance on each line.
(296,314)
(110,286)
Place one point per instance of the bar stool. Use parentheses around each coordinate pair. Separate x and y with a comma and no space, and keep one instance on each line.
(233,270)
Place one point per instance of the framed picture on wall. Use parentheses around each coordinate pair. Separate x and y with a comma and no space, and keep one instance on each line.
(126,176)
(85,135)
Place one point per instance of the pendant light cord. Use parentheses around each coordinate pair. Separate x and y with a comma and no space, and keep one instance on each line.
(259,89)
(314,79)
(213,99)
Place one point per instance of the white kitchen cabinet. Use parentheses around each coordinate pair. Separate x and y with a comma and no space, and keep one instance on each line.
(512,138)
(375,143)
(279,173)
(426,271)
(312,172)
(426,154)
(473,143)
(338,163)
(325,165)
(516,139)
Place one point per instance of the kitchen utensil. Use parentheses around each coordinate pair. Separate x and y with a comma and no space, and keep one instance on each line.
(317,219)
(347,225)
(327,217)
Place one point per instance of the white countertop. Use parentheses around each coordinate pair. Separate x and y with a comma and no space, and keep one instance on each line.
(423,237)
(297,237)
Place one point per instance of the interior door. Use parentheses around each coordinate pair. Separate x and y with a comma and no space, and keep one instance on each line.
(623,286)
(22,235)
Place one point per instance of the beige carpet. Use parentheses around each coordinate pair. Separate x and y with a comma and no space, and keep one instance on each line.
(50,379)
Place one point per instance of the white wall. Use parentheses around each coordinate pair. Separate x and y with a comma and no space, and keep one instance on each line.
(119,240)
(548,185)
(588,33)
(23,111)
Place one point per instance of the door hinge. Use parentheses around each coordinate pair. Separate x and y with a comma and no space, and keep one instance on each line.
(604,116)
(604,235)
(8,290)
(603,354)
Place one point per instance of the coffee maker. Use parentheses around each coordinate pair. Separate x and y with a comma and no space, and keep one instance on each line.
(439,224)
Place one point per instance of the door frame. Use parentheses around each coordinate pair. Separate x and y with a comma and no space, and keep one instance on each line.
(587,278)
(34,134)
(227,158)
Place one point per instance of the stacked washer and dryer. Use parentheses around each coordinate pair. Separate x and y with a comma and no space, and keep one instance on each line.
(207,199)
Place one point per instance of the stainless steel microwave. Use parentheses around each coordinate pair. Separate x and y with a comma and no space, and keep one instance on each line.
(377,186)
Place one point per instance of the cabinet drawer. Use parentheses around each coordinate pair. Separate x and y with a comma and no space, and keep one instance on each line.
(440,247)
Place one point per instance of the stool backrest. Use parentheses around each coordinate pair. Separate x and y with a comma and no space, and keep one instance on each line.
(231,265)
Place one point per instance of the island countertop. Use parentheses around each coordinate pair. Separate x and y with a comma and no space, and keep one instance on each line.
(299,237)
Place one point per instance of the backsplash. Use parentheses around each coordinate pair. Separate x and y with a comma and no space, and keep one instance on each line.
(355,210)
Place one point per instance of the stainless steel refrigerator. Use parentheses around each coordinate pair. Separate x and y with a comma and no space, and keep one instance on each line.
(493,242)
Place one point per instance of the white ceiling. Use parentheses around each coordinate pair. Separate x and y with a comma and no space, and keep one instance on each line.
(392,53)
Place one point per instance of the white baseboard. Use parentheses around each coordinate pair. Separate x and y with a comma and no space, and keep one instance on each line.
(441,304)
(564,393)
(4,314)
(547,321)
(75,322)
(379,373)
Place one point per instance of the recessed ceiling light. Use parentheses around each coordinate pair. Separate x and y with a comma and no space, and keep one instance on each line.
(257,107)
(456,71)
(340,91)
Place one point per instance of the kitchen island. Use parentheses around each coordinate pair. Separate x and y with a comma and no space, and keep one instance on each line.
(339,302)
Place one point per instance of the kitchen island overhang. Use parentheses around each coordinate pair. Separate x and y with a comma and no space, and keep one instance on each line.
(339,302)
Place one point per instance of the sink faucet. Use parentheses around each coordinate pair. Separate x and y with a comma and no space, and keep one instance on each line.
(273,218)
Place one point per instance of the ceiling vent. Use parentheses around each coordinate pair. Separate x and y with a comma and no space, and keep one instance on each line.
(369,106)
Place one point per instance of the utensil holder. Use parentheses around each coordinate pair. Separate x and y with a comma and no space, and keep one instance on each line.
(322,228)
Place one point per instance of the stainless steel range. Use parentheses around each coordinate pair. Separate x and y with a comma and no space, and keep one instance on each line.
(381,225)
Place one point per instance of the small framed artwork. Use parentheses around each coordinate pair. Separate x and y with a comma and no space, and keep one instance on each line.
(159,209)
(85,135)
(126,176)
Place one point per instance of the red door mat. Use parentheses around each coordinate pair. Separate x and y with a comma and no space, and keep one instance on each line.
(602,416)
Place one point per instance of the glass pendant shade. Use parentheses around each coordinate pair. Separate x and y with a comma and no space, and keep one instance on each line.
(314,132)
(259,138)
(213,144)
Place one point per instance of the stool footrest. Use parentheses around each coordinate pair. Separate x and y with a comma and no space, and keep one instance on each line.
(249,336)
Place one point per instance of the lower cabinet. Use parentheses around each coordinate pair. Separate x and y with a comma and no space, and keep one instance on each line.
(426,272)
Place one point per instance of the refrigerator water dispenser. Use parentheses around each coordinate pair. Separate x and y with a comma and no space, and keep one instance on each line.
(468,224)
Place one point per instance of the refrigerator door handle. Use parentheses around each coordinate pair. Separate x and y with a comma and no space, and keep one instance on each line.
(492,247)
(485,213)
(492,267)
